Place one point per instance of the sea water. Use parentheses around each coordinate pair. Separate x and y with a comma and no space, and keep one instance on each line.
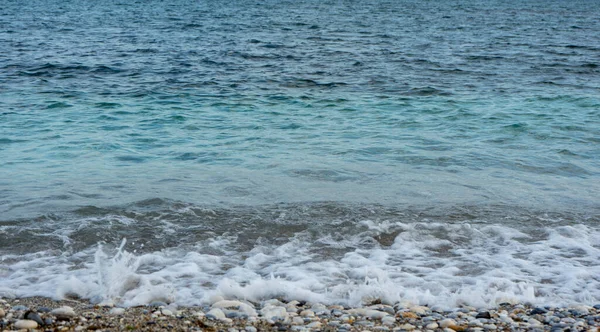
(434,152)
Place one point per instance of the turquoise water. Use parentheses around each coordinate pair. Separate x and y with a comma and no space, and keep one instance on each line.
(285,119)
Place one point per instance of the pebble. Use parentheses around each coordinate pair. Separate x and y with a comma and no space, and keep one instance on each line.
(307,313)
(117,311)
(25,324)
(448,322)
(485,314)
(388,320)
(407,327)
(166,312)
(64,312)
(538,311)
(157,304)
(314,325)
(250,329)
(20,308)
(534,322)
(270,312)
(215,313)
(419,310)
(34,317)
(2,313)
(236,305)
(431,326)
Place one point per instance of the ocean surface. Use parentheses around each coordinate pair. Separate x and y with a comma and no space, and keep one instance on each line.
(435,152)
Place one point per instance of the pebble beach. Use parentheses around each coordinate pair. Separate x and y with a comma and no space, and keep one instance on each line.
(43,314)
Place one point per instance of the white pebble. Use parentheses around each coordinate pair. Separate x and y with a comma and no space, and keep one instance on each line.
(2,313)
(274,313)
(373,314)
(314,325)
(117,311)
(26,324)
(250,328)
(297,321)
(448,322)
(65,312)
(216,313)
(166,312)
(420,310)
(236,305)
(407,327)
(307,313)
(431,326)
(490,327)
(388,320)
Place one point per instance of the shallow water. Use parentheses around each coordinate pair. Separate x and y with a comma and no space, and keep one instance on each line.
(329,151)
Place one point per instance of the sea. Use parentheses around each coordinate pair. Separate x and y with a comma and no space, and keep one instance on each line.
(337,151)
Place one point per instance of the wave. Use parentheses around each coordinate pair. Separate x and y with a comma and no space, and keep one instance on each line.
(327,252)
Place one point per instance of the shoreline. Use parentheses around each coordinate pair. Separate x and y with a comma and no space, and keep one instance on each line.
(274,315)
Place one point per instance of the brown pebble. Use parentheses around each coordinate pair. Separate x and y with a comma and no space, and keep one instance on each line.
(409,315)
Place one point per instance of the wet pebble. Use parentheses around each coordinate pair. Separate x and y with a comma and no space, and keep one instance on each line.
(216,314)
(30,315)
(63,313)
(20,308)
(157,304)
(25,324)
(538,311)
(484,314)
(117,311)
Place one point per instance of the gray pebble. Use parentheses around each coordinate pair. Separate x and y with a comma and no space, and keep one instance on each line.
(337,313)
(34,317)
(363,323)
(20,308)
(389,310)
(538,311)
(43,309)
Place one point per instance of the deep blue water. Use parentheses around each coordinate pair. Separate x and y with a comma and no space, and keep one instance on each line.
(296,113)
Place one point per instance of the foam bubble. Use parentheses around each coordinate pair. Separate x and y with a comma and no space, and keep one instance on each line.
(446,264)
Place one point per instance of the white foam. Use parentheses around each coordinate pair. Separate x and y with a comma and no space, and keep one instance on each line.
(427,263)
